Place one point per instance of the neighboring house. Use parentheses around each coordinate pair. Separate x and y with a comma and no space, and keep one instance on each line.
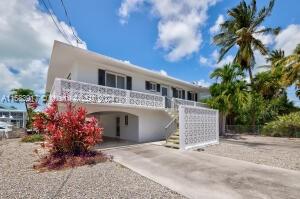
(132,102)
(13,116)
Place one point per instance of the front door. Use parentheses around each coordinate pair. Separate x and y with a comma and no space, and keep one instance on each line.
(118,126)
(164,91)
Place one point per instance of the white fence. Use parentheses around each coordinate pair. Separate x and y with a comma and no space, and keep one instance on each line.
(176,102)
(198,127)
(96,94)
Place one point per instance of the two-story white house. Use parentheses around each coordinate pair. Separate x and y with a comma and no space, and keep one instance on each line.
(131,102)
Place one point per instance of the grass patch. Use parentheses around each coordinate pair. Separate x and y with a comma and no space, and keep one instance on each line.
(33,138)
(63,161)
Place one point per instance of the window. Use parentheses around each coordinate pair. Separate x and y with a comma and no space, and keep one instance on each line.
(164,91)
(110,80)
(152,86)
(121,82)
(180,94)
(114,80)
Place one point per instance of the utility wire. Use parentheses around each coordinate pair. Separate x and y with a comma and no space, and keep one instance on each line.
(57,26)
(61,27)
(69,20)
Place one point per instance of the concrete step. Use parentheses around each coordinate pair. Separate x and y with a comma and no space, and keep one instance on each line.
(171,145)
(174,137)
(173,141)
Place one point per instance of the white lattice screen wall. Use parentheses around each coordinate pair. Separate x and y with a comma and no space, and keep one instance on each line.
(198,127)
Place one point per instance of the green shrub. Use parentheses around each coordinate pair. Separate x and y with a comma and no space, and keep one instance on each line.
(33,138)
(284,126)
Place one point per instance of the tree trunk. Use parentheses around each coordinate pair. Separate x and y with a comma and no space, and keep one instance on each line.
(222,123)
(29,120)
(253,122)
(251,77)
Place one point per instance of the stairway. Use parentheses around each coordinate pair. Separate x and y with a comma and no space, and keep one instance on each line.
(172,140)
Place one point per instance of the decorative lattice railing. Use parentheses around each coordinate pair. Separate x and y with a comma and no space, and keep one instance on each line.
(198,127)
(174,103)
(96,94)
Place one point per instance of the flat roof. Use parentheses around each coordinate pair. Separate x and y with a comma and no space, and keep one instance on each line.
(63,54)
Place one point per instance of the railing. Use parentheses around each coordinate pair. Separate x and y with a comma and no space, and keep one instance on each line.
(171,128)
(96,94)
(174,103)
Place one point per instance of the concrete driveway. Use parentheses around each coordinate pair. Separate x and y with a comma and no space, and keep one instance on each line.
(199,175)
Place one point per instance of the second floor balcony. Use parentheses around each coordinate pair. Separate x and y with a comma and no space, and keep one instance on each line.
(81,92)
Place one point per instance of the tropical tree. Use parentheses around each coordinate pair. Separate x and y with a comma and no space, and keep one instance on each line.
(275,56)
(291,65)
(242,29)
(268,84)
(230,93)
(26,96)
(228,73)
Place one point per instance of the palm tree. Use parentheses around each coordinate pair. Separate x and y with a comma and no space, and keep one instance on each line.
(292,69)
(230,93)
(275,56)
(228,73)
(292,66)
(241,29)
(268,84)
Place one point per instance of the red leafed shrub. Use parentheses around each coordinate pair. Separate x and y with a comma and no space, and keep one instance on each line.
(68,131)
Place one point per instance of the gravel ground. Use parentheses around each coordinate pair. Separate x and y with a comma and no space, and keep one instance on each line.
(277,152)
(104,180)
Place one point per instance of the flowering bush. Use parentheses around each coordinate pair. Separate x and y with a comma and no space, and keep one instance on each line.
(68,131)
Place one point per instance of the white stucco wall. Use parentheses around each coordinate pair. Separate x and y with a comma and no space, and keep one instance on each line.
(86,71)
(152,125)
(144,124)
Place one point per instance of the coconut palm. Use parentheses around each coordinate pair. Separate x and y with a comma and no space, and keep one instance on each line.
(242,29)
(275,56)
(230,93)
(268,84)
(228,73)
(292,67)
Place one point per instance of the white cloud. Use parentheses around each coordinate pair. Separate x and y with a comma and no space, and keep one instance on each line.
(163,72)
(216,27)
(127,7)
(288,38)
(267,39)
(178,26)
(26,40)
(213,60)
(202,83)
(203,60)
(226,60)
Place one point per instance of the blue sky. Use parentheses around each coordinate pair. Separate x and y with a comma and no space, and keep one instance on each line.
(144,32)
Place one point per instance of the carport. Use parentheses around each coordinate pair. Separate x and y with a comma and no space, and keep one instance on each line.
(118,125)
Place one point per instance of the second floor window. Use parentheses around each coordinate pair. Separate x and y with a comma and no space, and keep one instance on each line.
(114,80)
(152,86)
(181,94)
